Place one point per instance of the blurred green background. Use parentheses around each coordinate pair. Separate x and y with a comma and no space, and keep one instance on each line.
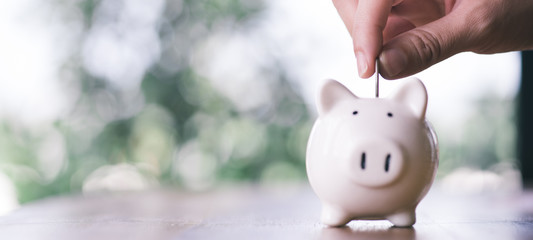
(187,93)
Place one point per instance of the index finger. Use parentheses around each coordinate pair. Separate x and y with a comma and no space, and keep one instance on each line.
(367,33)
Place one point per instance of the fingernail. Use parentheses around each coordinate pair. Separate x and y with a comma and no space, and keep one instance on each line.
(393,62)
(362,67)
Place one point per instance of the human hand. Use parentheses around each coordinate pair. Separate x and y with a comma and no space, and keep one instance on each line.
(409,36)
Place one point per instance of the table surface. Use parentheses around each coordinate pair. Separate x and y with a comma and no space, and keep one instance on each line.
(253,212)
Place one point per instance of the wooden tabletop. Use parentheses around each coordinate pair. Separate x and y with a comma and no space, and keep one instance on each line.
(282,212)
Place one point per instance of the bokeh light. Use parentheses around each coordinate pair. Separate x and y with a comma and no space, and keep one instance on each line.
(99,96)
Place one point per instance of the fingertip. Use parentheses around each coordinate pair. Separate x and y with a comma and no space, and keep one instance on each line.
(367,33)
(393,63)
(420,48)
(362,64)
(369,70)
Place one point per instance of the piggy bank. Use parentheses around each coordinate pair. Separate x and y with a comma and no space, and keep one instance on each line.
(371,158)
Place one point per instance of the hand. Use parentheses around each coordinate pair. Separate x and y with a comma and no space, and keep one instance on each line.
(409,36)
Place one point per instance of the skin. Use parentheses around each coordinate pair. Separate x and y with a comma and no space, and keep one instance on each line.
(409,36)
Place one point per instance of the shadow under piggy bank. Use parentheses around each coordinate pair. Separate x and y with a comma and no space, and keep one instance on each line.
(365,233)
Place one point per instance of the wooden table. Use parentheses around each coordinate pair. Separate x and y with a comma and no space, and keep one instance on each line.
(288,212)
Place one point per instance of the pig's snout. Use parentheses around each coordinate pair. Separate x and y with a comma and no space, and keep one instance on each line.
(376,163)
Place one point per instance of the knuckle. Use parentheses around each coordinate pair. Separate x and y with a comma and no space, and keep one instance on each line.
(427,45)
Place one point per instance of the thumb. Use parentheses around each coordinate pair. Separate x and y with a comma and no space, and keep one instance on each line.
(421,47)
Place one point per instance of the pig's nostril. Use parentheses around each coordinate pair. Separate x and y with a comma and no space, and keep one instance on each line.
(387,163)
(363,161)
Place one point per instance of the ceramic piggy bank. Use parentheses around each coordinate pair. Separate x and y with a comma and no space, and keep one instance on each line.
(371,158)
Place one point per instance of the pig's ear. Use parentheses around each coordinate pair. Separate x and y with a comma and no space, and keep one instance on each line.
(330,94)
(414,95)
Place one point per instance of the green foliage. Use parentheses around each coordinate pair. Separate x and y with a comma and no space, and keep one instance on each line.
(184,132)
(488,138)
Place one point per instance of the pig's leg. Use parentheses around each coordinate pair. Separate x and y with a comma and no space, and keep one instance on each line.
(403,219)
(334,216)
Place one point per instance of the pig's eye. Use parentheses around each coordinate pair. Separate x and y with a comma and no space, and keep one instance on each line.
(389,114)
(354,113)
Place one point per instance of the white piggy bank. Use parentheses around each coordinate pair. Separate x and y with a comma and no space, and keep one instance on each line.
(371,158)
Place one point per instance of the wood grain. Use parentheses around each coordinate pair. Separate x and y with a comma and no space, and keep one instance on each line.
(288,212)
